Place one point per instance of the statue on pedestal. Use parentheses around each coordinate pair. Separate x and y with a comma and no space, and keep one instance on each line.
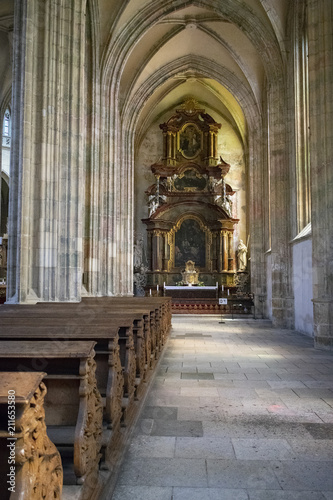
(140,270)
(241,256)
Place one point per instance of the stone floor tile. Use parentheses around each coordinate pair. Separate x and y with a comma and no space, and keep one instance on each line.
(230,376)
(237,393)
(170,400)
(290,384)
(189,376)
(313,393)
(284,495)
(229,429)
(204,448)
(186,472)
(209,494)
(321,384)
(328,495)
(160,412)
(241,474)
(203,412)
(142,493)
(304,475)
(320,431)
(326,418)
(261,429)
(199,391)
(152,446)
(262,449)
(315,449)
(186,428)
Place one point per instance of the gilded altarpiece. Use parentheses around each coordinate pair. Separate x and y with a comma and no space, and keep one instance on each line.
(190,206)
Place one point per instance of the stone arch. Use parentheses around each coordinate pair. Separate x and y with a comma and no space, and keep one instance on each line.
(207,69)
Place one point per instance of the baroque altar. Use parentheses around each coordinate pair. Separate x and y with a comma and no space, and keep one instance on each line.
(190,208)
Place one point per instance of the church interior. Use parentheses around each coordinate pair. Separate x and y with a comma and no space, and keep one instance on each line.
(158,158)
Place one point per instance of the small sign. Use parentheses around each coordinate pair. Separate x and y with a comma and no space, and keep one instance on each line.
(223,302)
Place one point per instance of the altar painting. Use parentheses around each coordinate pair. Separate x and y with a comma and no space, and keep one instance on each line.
(190,244)
(190,141)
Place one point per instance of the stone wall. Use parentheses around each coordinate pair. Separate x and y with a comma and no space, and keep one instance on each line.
(302,278)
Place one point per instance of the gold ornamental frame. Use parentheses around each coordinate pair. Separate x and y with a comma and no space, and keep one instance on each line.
(181,131)
(171,242)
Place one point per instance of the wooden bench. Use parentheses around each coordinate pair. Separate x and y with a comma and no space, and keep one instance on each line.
(73,404)
(160,308)
(28,458)
(73,317)
(138,318)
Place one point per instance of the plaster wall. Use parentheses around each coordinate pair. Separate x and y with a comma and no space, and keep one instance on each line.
(302,281)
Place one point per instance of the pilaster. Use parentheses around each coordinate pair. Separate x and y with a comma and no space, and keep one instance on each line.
(280,206)
(320,30)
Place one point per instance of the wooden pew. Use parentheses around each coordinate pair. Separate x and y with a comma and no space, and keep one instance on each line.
(131,327)
(27,455)
(115,357)
(73,402)
(151,322)
(160,306)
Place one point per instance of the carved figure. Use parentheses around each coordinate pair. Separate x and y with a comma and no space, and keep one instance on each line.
(138,252)
(152,205)
(241,256)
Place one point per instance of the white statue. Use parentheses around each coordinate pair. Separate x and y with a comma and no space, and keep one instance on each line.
(152,205)
(138,251)
(241,256)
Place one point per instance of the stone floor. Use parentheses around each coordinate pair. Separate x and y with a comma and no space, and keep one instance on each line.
(237,411)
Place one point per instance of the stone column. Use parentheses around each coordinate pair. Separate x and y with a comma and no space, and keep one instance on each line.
(280,207)
(150,250)
(225,252)
(47,175)
(219,251)
(157,250)
(320,43)
(231,259)
(165,251)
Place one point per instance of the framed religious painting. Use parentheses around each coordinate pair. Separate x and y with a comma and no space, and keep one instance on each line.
(190,141)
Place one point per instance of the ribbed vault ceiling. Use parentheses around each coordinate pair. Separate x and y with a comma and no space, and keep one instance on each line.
(232,38)
(151,79)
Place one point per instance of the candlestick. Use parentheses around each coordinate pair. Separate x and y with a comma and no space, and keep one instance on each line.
(228,291)
(150,291)
(222,288)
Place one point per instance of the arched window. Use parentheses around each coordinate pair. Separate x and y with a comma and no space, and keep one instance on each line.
(5,171)
(6,142)
(301,89)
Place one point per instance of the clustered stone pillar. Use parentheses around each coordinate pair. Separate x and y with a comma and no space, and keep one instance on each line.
(47,174)
(282,293)
(320,43)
